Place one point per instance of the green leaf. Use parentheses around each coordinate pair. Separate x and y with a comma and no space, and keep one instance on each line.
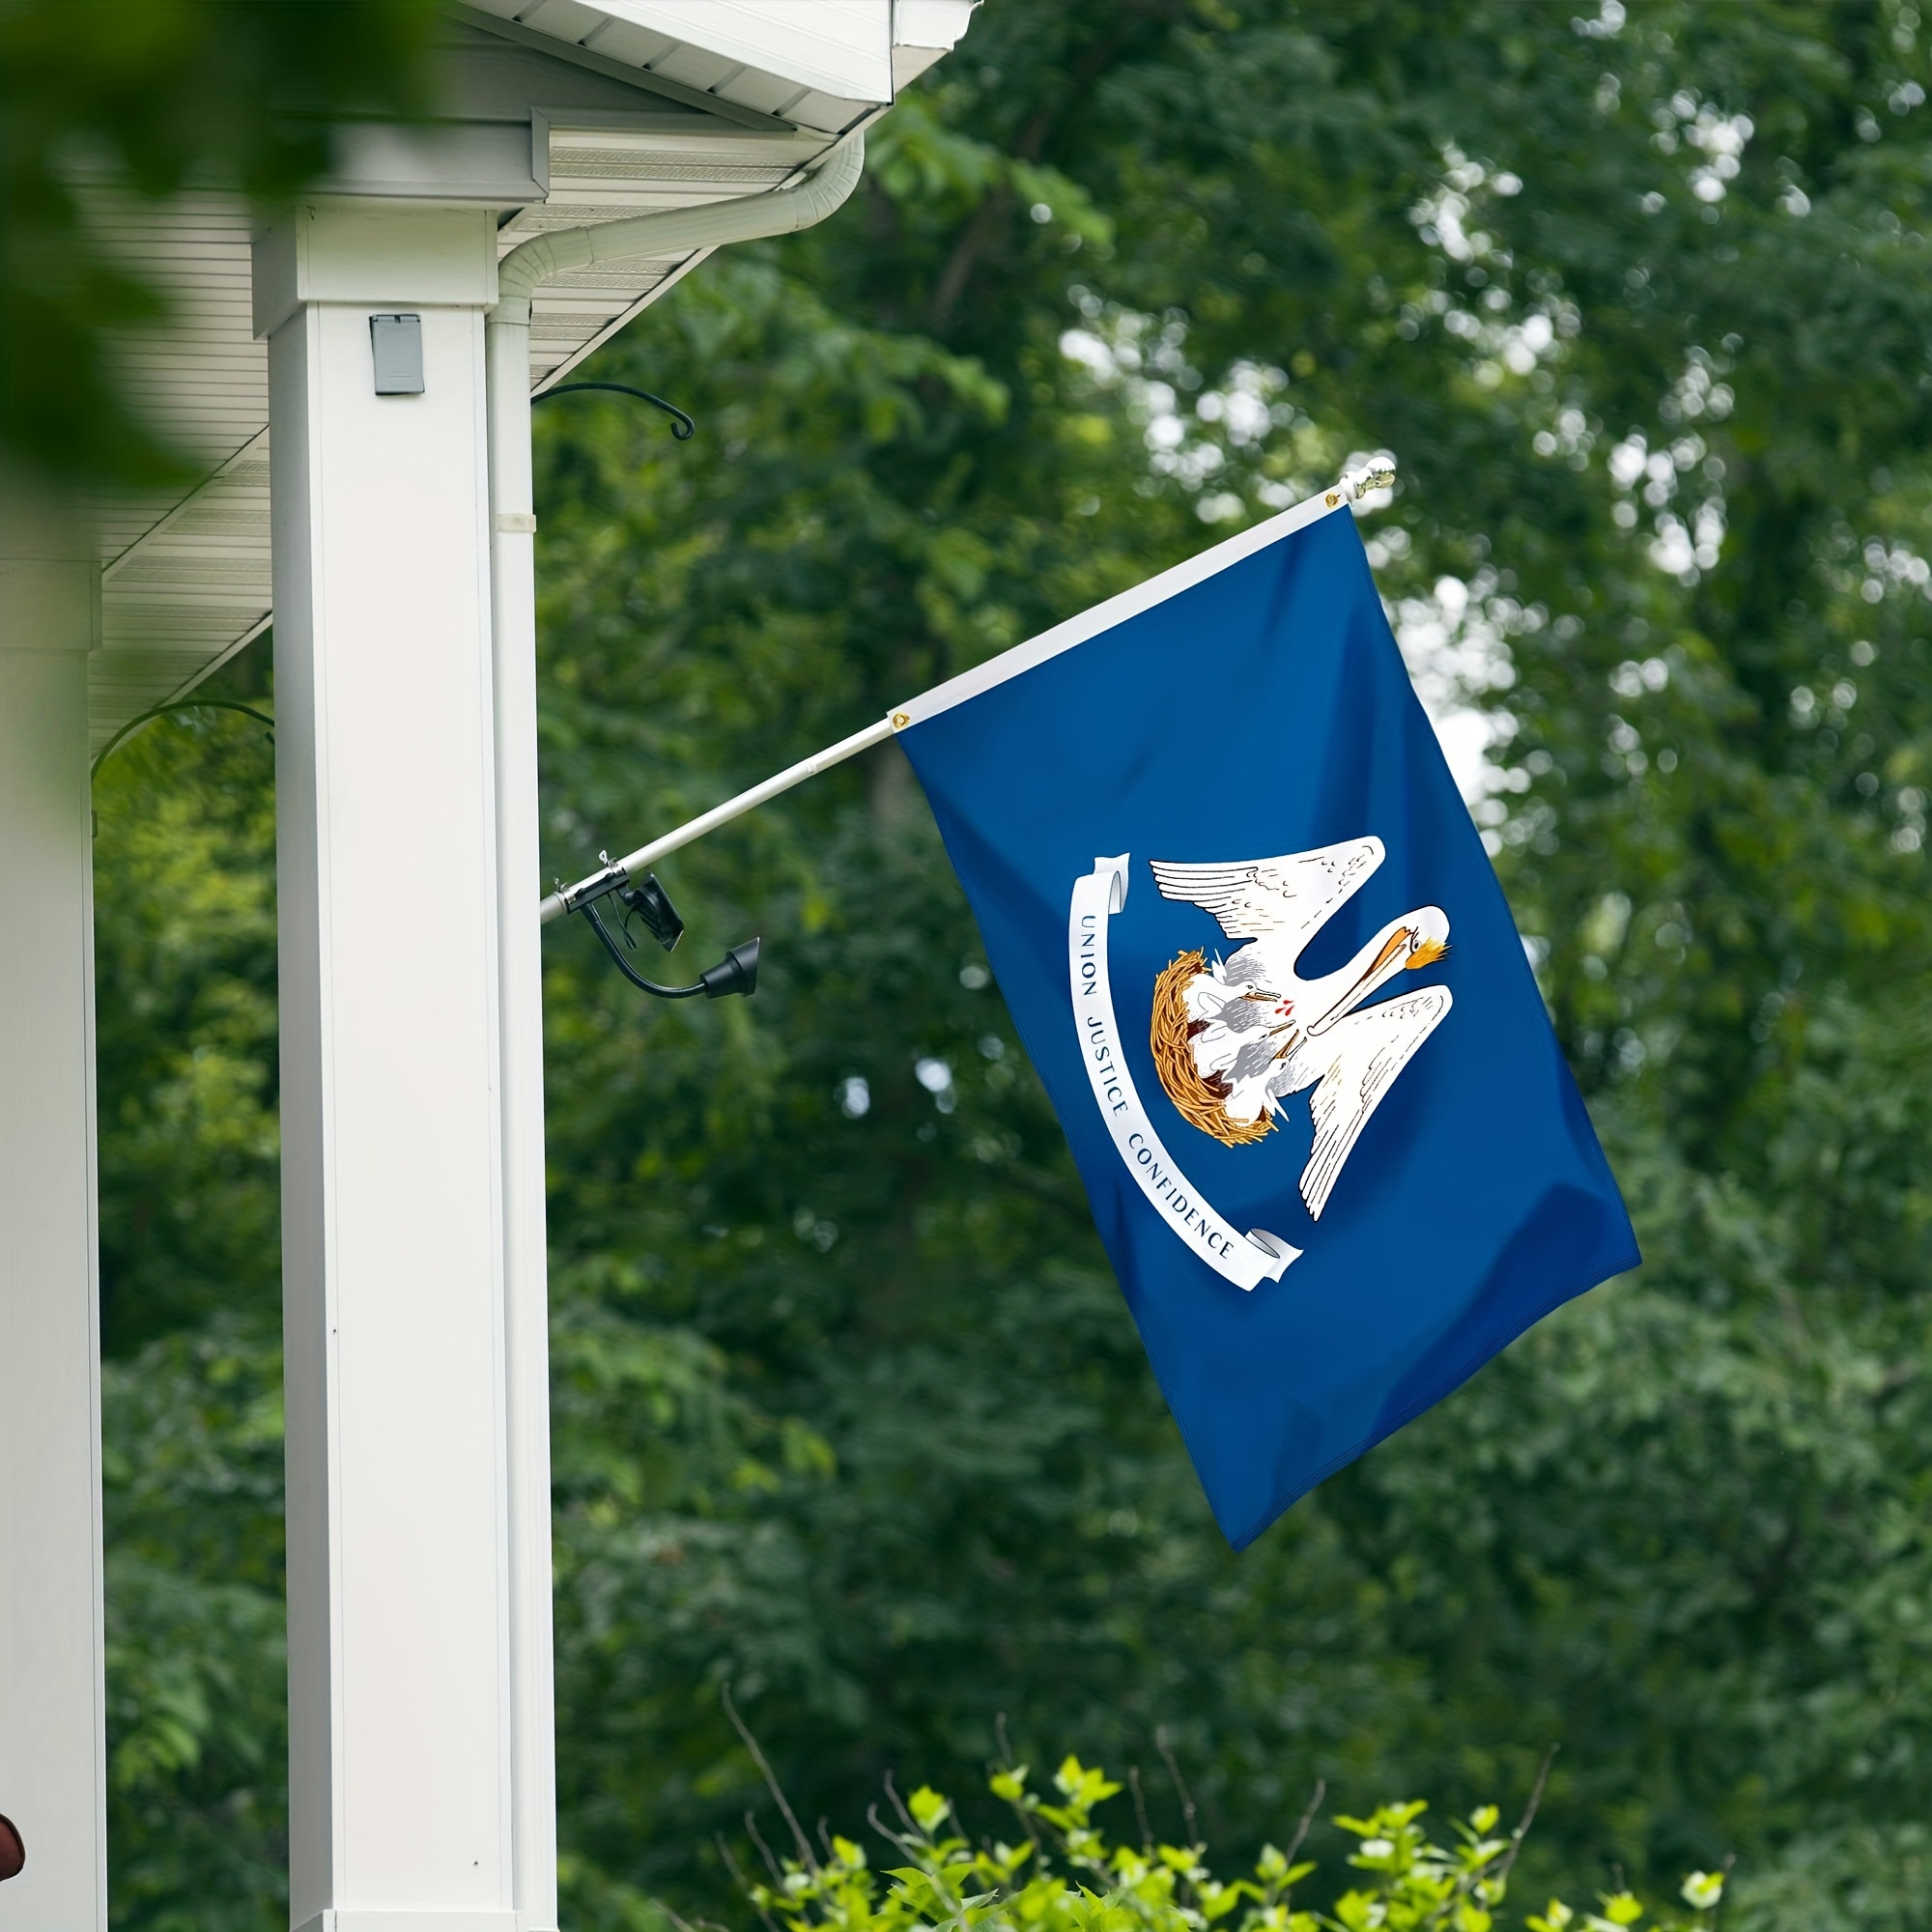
(1703,1890)
(929,1808)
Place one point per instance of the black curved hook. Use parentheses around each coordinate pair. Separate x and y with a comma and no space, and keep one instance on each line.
(134,723)
(682,426)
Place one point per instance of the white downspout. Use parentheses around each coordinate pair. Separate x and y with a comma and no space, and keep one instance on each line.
(677,231)
(520,990)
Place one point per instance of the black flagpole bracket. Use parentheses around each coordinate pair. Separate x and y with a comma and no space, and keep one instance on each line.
(648,901)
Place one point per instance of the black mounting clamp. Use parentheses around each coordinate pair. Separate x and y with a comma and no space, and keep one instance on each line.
(647,900)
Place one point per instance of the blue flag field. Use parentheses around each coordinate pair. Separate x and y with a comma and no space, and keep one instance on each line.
(1256,951)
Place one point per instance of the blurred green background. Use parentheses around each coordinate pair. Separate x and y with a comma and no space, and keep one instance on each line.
(850,1413)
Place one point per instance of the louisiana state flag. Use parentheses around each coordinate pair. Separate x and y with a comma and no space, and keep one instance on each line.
(1256,952)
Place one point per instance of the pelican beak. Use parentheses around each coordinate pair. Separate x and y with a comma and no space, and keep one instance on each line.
(1392,946)
(1388,961)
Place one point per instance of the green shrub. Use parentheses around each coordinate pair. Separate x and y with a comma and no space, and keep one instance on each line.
(1061,1874)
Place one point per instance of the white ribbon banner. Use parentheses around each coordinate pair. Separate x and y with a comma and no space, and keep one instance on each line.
(1246,1259)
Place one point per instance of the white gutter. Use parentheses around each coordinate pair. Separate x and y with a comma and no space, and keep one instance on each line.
(679,231)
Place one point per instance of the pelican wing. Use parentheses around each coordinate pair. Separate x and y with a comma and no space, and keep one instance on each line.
(1368,1050)
(1259,899)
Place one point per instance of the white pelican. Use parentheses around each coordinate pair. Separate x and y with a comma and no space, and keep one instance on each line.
(1232,1039)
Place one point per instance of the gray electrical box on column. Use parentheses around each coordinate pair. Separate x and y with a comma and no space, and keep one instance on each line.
(396,344)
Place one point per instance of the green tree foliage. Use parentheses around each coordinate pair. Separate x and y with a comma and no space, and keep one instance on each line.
(849,1411)
(185,950)
(1061,1874)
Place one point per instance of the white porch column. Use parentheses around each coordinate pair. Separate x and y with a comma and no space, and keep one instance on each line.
(418,1699)
(52,1749)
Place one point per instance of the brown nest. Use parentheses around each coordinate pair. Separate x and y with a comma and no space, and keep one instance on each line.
(1171,1034)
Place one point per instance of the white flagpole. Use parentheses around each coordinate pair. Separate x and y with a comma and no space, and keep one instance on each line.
(614,872)
(618,871)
